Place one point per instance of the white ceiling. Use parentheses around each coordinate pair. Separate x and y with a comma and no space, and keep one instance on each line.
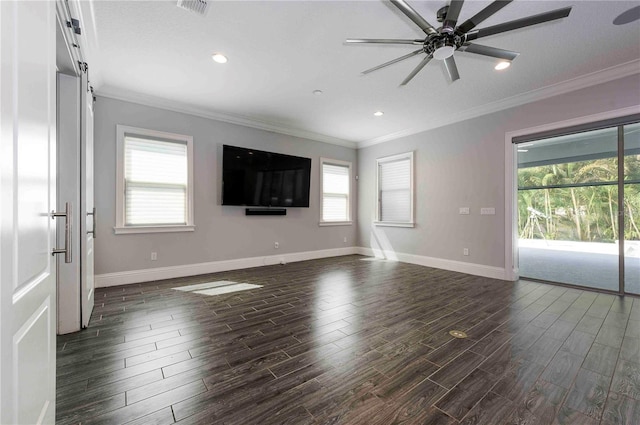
(279,52)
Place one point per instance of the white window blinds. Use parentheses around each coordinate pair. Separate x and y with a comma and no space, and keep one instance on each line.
(394,186)
(335,192)
(155,182)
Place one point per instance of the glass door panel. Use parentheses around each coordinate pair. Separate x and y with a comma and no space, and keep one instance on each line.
(568,209)
(632,208)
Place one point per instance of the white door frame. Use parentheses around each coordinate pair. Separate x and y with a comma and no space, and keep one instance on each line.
(510,178)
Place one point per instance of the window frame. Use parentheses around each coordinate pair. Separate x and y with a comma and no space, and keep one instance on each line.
(392,158)
(123,131)
(349,166)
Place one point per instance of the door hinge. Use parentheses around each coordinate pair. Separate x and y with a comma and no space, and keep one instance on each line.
(75,25)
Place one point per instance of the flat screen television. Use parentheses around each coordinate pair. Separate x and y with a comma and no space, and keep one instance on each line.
(256,178)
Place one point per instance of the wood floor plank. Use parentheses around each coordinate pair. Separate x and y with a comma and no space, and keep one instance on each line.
(464,396)
(492,409)
(141,409)
(352,340)
(621,410)
(626,379)
(589,393)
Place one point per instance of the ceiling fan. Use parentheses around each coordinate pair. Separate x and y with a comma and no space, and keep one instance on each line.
(440,43)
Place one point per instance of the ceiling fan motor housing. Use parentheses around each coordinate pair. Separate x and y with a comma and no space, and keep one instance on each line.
(438,41)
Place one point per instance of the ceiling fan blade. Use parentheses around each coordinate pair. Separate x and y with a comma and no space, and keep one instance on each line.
(416,70)
(414,16)
(452,69)
(452,14)
(472,22)
(381,41)
(494,52)
(520,23)
(375,68)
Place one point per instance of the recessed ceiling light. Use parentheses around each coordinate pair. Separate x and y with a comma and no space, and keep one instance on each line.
(378,113)
(219,57)
(503,65)
(317,92)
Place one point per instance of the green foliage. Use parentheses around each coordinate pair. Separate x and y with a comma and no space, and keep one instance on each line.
(587,213)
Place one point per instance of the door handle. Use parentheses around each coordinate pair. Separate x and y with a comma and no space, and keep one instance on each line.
(93,226)
(67,232)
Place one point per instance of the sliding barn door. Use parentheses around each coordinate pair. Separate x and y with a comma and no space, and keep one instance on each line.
(88,213)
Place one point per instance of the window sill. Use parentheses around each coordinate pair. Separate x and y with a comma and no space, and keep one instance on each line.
(335,223)
(391,224)
(153,229)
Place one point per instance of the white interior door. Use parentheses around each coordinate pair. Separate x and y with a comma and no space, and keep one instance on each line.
(88,218)
(27,232)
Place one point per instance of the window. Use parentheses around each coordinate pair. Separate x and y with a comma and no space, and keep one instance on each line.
(395,190)
(154,181)
(335,188)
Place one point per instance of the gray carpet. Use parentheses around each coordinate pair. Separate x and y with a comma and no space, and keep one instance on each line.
(579,268)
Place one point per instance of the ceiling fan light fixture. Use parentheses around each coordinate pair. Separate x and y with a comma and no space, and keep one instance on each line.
(502,65)
(219,58)
(443,52)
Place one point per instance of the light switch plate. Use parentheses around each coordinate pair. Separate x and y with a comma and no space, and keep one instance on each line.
(464,210)
(487,211)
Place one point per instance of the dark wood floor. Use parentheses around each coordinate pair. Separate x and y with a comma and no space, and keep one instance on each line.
(348,340)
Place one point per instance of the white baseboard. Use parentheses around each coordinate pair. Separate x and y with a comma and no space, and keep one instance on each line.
(438,263)
(159,273)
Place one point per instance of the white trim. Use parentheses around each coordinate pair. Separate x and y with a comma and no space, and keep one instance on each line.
(146,275)
(335,223)
(391,158)
(120,227)
(510,242)
(392,224)
(587,80)
(439,263)
(153,229)
(184,108)
(340,163)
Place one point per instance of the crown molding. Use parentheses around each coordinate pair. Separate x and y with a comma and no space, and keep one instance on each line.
(608,74)
(170,105)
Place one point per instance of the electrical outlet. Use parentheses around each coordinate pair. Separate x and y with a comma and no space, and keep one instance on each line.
(487,211)
(464,210)
(345,239)
(154,256)
(276,245)
(465,251)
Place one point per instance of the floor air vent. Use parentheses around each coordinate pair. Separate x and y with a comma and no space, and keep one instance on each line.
(198,6)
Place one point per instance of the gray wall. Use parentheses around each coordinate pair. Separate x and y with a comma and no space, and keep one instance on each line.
(222,233)
(462,165)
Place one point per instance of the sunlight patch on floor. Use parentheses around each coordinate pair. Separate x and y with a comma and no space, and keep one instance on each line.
(217,288)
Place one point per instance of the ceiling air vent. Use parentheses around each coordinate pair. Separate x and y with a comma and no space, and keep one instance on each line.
(198,6)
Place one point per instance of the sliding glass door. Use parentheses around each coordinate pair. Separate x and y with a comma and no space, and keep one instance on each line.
(579,207)
(632,208)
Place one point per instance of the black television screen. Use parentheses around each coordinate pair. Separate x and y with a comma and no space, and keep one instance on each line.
(256,178)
